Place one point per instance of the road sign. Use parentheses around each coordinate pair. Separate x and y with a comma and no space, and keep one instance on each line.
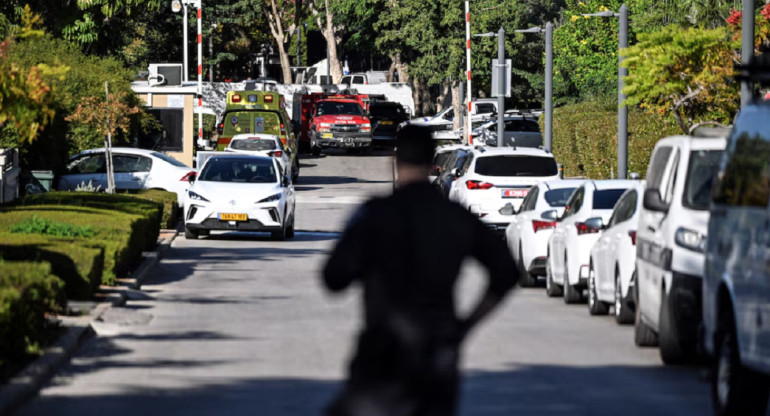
(496,75)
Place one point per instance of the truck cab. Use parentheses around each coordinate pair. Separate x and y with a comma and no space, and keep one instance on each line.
(338,122)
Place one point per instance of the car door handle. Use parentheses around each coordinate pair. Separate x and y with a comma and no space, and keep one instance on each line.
(651,229)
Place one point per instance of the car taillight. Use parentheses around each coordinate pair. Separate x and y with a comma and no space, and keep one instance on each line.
(583,228)
(220,128)
(366,127)
(186,178)
(632,234)
(478,185)
(277,153)
(283,129)
(236,98)
(542,225)
(268,98)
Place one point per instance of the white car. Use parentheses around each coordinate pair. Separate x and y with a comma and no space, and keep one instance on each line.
(440,158)
(268,145)
(588,208)
(243,193)
(613,260)
(494,181)
(532,225)
(134,169)
(671,242)
(519,130)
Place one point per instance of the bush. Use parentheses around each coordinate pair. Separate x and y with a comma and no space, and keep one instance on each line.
(27,291)
(170,205)
(79,264)
(37,225)
(585,138)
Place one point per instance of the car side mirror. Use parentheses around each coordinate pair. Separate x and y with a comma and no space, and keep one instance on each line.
(653,202)
(455,173)
(551,215)
(595,223)
(286,182)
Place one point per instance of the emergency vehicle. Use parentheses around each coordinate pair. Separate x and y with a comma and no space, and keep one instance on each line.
(338,120)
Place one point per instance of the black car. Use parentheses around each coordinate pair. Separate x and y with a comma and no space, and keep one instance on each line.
(385,117)
(445,178)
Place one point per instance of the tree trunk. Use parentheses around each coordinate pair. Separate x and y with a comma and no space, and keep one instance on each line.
(456,104)
(276,29)
(285,63)
(329,33)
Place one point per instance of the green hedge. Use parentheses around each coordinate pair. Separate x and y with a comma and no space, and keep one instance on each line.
(27,291)
(169,202)
(585,138)
(78,263)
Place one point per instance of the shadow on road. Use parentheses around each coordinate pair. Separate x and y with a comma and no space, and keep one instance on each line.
(334,180)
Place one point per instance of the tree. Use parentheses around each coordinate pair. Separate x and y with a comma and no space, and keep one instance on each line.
(324,14)
(684,73)
(282,19)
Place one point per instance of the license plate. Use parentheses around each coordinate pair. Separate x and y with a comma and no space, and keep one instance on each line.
(233,217)
(386,122)
(327,136)
(515,193)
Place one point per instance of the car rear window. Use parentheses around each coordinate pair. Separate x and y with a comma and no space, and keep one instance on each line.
(516,166)
(253,144)
(700,174)
(385,111)
(558,197)
(606,198)
(522,125)
(169,159)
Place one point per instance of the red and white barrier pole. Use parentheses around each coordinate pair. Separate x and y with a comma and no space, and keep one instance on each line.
(468,94)
(198,6)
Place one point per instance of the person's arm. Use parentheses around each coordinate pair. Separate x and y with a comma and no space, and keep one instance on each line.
(348,260)
(493,253)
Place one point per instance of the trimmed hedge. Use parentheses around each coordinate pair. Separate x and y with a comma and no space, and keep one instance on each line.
(27,292)
(585,138)
(169,202)
(79,264)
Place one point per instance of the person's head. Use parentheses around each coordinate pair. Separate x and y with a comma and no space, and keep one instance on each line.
(414,154)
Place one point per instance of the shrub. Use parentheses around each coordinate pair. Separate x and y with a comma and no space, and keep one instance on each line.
(79,264)
(27,291)
(37,225)
(585,138)
(170,206)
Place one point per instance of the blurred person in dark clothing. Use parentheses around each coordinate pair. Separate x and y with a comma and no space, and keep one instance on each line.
(406,251)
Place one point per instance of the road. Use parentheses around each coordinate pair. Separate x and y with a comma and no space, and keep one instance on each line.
(236,324)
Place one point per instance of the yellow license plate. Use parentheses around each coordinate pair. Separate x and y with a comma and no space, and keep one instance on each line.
(233,217)
(327,136)
(386,122)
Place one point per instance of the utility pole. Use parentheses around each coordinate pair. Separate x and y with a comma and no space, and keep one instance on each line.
(747,49)
(199,91)
(623,111)
(184,35)
(467,129)
(501,86)
(299,42)
(211,52)
(548,86)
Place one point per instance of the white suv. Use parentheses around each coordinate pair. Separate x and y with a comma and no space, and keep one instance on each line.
(493,182)
(671,240)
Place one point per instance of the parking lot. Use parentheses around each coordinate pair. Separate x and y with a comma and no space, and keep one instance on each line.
(238,324)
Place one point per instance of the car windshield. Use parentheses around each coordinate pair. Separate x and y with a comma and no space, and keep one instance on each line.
(234,169)
(385,111)
(441,159)
(558,197)
(606,198)
(514,165)
(339,108)
(253,144)
(704,164)
(169,159)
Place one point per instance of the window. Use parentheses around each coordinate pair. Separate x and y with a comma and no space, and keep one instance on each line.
(700,175)
(624,209)
(485,108)
(522,125)
(558,197)
(668,195)
(746,177)
(516,166)
(169,159)
(87,164)
(606,198)
(130,163)
(359,79)
(255,145)
(233,169)
(169,134)
(386,111)
(575,202)
(339,108)
(468,159)
(531,199)
(658,167)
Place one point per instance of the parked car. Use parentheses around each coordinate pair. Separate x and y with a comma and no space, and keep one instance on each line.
(240,192)
(385,117)
(671,240)
(447,171)
(736,285)
(134,169)
(612,267)
(268,145)
(494,178)
(527,234)
(588,208)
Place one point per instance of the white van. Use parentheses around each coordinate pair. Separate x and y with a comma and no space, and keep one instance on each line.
(736,286)
(671,240)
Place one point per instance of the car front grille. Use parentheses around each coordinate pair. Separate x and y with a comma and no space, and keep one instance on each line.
(345,128)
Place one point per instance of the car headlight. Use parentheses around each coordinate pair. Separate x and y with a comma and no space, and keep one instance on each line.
(271,198)
(691,240)
(195,197)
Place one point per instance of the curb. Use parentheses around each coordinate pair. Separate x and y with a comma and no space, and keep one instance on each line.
(29,381)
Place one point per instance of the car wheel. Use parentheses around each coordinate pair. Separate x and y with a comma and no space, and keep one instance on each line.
(281,234)
(673,349)
(204,233)
(735,390)
(552,290)
(316,151)
(290,230)
(644,336)
(623,314)
(190,234)
(295,171)
(571,294)
(525,279)
(595,306)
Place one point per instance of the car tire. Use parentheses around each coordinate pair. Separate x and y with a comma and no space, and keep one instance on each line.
(644,336)
(525,279)
(595,306)
(190,234)
(571,294)
(204,233)
(735,390)
(623,314)
(552,290)
(290,229)
(295,171)
(673,349)
(316,151)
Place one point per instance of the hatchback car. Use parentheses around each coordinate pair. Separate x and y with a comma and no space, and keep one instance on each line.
(134,169)
(588,208)
(493,178)
(532,225)
(268,145)
(385,117)
(243,193)
(613,260)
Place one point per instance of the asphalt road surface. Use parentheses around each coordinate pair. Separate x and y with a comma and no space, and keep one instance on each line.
(236,324)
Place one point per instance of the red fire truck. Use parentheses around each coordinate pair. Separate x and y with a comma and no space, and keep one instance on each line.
(335,121)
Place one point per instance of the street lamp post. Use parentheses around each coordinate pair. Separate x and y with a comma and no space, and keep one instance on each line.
(548,80)
(747,48)
(211,53)
(622,16)
(500,68)
(176,7)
